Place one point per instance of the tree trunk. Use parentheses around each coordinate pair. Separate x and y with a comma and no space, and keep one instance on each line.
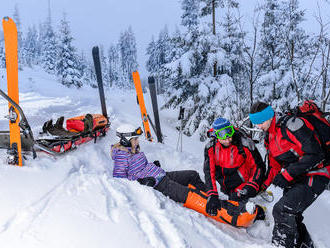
(213,22)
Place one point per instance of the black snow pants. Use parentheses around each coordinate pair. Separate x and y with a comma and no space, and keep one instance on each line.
(289,230)
(175,184)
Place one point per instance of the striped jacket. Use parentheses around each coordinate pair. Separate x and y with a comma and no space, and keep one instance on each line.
(134,166)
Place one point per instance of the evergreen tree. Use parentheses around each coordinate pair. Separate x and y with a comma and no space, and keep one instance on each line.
(232,64)
(271,40)
(30,47)
(128,54)
(189,18)
(207,5)
(17,20)
(285,52)
(67,68)
(177,45)
(2,51)
(83,68)
(151,64)
(114,65)
(49,46)
(298,50)
(160,52)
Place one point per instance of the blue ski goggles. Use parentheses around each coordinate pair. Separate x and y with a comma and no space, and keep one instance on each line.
(225,133)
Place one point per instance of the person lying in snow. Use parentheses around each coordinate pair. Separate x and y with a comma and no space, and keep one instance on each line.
(181,186)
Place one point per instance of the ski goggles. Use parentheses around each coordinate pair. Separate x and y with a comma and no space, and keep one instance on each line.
(225,132)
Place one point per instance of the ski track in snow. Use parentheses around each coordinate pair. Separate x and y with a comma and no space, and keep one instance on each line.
(74,201)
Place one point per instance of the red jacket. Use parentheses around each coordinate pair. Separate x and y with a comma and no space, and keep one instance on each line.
(230,168)
(303,156)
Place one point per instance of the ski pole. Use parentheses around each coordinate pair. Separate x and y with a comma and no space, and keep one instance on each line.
(181,116)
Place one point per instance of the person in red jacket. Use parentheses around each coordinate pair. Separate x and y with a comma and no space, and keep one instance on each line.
(296,165)
(233,161)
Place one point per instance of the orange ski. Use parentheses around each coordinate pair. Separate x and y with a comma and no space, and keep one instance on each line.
(10,35)
(139,93)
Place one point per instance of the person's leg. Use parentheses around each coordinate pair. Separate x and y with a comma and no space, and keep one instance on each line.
(172,189)
(186,177)
(304,236)
(287,210)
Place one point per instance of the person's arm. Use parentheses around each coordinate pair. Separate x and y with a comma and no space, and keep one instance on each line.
(120,167)
(307,145)
(209,170)
(273,170)
(256,167)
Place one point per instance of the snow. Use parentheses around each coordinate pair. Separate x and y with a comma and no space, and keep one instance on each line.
(74,201)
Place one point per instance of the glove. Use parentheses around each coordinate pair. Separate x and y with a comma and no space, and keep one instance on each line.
(212,205)
(280,181)
(156,162)
(245,193)
(148,181)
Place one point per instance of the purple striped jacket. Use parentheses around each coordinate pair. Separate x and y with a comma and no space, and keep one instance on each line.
(134,166)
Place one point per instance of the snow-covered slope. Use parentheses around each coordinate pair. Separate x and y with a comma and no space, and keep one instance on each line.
(75,202)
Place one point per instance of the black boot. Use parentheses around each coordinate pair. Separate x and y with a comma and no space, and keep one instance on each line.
(260,214)
(305,240)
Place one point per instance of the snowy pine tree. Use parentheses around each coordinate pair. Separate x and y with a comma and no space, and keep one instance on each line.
(160,53)
(67,66)
(49,46)
(194,86)
(128,55)
(298,51)
(30,47)
(152,62)
(17,20)
(114,65)
(286,53)
(2,51)
(232,63)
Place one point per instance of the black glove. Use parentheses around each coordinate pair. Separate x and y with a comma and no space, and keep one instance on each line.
(148,181)
(212,205)
(245,193)
(280,181)
(156,162)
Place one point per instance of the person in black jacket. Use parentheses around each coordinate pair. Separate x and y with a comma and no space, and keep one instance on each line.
(296,162)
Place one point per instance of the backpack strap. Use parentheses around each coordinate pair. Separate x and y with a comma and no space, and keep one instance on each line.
(282,122)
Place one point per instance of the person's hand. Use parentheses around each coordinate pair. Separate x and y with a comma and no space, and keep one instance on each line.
(212,205)
(245,193)
(280,181)
(148,181)
(156,162)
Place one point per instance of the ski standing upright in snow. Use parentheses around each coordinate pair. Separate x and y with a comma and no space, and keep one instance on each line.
(144,115)
(153,95)
(10,37)
(98,71)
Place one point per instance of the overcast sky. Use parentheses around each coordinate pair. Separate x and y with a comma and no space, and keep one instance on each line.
(95,22)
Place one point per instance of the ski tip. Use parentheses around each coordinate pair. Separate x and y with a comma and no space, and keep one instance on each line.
(95,49)
(151,80)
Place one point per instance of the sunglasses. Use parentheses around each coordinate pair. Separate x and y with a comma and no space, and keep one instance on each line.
(225,132)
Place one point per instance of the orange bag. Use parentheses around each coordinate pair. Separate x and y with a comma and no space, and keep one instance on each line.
(232,213)
(85,123)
